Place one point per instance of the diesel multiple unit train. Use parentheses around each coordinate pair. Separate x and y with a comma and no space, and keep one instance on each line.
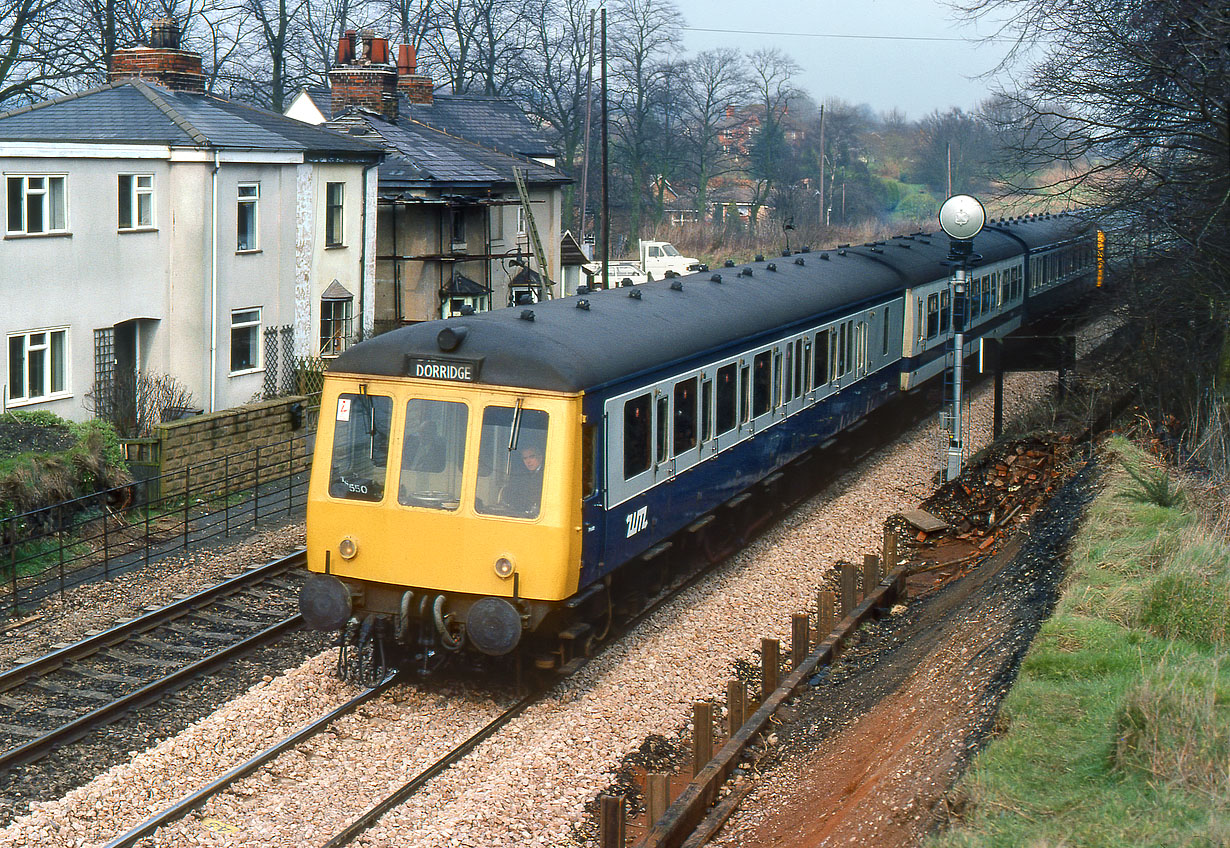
(487,481)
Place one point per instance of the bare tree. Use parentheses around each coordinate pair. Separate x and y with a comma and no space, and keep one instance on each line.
(280,33)
(1132,99)
(28,50)
(717,79)
(643,33)
(772,77)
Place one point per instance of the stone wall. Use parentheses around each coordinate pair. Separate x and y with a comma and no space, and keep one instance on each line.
(233,449)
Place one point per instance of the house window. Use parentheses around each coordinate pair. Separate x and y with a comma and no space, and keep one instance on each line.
(458,226)
(520,220)
(336,320)
(36,204)
(495,218)
(249,197)
(38,365)
(245,340)
(335,196)
(136,201)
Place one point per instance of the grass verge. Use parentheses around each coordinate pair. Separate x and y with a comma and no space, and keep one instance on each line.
(1117,732)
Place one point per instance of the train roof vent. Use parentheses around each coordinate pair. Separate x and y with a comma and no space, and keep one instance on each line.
(906,246)
(847,244)
(759,257)
(670,273)
(772,266)
(841,252)
(583,303)
(806,249)
(676,286)
(527,314)
(824,256)
(746,272)
(716,278)
(877,249)
(785,251)
(635,294)
(626,282)
(729,263)
(582,289)
(702,267)
(798,260)
(450,338)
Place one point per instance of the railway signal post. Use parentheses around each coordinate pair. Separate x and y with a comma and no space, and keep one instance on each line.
(961,217)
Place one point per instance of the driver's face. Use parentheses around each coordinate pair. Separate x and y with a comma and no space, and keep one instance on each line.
(531,459)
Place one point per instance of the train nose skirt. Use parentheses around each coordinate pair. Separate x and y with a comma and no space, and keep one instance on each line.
(493,626)
(324,602)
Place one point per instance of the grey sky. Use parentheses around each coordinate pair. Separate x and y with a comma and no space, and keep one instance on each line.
(914,76)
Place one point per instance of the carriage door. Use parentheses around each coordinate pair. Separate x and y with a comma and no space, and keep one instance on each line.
(663,462)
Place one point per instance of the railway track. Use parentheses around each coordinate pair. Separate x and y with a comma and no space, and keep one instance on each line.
(62,696)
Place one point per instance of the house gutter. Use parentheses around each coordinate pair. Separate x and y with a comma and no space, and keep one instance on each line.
(213,287)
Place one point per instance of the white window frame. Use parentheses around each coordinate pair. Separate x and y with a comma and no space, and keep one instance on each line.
(338,238)
(46,350)
(252,326)
(252,200)
(334,342)
(136,192)
(47,222)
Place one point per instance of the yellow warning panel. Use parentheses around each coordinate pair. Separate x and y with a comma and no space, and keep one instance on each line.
(218,826)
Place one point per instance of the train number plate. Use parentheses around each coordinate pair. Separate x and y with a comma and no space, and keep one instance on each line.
(637,521)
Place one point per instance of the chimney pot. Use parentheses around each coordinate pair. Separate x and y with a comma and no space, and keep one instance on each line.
(379,51)
(345,48)
(407,60)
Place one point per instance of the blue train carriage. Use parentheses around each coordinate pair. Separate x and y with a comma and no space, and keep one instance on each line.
(491,481)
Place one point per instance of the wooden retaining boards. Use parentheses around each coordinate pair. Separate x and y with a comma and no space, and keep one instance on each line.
(689,809)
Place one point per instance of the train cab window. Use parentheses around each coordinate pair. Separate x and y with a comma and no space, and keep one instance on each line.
(706,410)
(727,397)
(512,458)
(822,358)
(636,436)
(945,311)
(745,394)
(762,383)
(432,452)
(662,426)
(684,435)
(360,457)
(933,315)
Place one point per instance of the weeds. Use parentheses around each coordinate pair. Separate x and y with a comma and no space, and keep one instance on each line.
(1154,487)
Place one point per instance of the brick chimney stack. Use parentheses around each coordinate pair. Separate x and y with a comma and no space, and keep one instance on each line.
(362,76)
(161,62)
(417,88)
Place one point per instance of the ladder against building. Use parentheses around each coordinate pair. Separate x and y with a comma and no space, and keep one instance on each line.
(535,242)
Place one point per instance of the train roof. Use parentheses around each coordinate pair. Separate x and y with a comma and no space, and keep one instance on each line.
(583,342)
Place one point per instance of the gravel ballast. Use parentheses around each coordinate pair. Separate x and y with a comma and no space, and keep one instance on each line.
(529,784)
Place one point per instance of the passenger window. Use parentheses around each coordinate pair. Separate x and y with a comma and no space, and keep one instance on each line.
(788,392)
(762,382)
(887,322)
(636,436)
(360,455)
(512,454)
(432,454)
(685,416)
(706,410)
(843,360)
(662,423)
(806,357)
(727,395)
(799,386)
(933,315)
(822,357)
(745,394)
(945,311)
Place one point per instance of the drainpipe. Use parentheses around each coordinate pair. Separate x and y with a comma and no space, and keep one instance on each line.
(213,289)
(363,281)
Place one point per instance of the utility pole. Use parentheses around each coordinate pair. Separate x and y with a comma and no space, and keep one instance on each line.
(823,217)
(589,103)
(606,202)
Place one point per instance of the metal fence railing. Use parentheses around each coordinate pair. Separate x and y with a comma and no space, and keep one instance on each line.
(47,551)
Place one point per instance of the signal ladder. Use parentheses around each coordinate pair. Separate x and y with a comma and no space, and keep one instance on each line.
(945,434)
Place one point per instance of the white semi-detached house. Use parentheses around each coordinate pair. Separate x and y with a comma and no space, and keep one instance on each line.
(151,227)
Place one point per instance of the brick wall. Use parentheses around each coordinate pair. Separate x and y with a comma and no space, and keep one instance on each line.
(219,452)
(371,87)
(418,89)
(176,69)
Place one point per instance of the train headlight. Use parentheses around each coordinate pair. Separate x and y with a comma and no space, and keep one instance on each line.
(347,548)
(504,567)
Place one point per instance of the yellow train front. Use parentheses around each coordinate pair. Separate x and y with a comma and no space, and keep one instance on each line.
(443,512)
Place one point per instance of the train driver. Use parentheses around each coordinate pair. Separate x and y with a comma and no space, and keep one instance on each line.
(523,493)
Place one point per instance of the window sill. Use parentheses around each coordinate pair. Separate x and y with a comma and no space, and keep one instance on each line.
(335,246)
(248,251)
(14,402)
(247,371)
(126,230)
(57,234)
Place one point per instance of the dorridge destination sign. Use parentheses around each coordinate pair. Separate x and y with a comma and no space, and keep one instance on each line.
(453,370)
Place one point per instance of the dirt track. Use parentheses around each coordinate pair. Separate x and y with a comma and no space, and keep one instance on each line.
(867,755)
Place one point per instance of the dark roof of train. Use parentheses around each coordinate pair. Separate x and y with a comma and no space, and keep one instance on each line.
(566,348)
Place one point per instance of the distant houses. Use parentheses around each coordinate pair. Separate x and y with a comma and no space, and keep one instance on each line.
(153,228)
